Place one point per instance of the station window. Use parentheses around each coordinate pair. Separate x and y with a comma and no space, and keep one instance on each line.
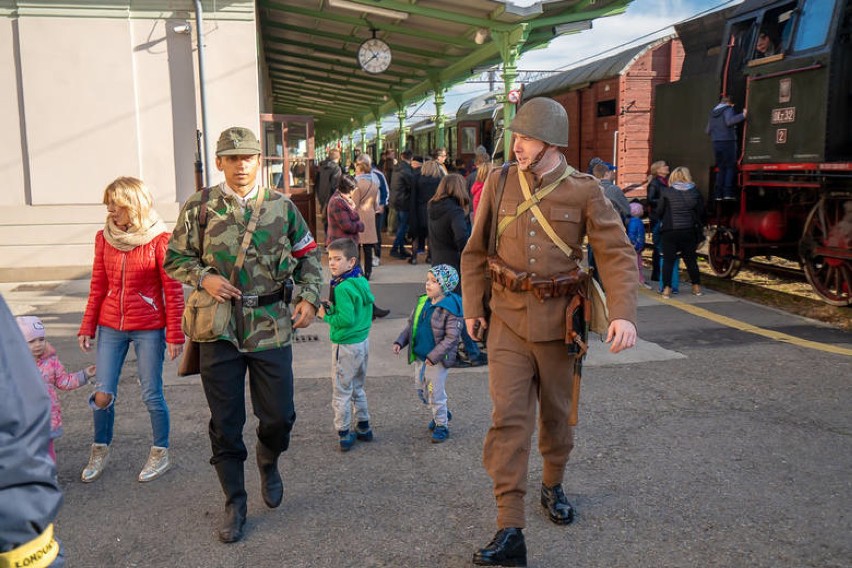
(814,20)
(606,108)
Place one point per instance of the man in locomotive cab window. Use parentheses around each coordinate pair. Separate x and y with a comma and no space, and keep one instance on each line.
(765,45)
(525,249)
(722,129)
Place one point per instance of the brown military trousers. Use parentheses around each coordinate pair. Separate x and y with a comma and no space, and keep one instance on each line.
(521,374)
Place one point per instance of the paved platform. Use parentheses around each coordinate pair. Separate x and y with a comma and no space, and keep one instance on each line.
(706,445)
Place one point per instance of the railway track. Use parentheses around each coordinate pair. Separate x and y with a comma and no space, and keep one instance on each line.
(777,267)
(780,285)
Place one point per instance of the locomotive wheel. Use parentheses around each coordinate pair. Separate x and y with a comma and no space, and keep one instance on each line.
(825,250)
(723,253)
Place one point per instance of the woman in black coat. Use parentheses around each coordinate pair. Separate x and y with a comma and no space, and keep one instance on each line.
(680,211)
(424,189)
(449,227)
(658,175)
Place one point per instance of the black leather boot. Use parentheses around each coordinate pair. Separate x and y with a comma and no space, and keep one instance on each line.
(232,478)
(271,486)
(558,508)
(507,548)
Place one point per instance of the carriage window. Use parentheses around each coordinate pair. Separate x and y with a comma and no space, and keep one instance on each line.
(814,20)
(606,108)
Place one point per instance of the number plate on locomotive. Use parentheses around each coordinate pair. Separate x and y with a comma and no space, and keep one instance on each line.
(783,115)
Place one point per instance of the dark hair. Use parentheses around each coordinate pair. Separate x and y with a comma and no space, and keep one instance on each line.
(346,184)
(347,246)
(407,153)
(452,186)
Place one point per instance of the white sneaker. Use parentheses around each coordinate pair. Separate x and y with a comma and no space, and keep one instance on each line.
(97,462)
(376,261)
(158,463)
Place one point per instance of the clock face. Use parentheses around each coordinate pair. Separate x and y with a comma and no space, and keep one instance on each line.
(374,55)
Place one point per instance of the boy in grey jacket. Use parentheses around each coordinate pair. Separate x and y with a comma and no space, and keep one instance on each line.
(432,336)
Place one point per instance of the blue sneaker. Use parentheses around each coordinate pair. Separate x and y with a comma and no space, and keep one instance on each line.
(363,431)
(347,440)
(432,422)
(440,434)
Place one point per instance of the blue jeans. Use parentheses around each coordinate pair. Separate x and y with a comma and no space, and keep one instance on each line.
(150,346)
(725,153)
(401,230)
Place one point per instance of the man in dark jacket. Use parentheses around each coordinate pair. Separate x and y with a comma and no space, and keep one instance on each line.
(327,178)
(29,492)
(722,128)
(401,190)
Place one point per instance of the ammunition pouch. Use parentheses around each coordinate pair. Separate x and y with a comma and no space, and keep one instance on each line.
(559,285)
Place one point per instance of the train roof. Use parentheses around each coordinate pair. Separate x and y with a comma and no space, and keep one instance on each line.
(605,68)
(479,108)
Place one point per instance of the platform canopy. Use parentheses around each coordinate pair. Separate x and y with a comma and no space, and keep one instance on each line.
(310,49)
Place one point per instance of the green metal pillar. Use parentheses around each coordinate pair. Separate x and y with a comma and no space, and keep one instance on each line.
(400,114)
(379,140)
(350,147)
(440,133)
(510,46)
(363,138)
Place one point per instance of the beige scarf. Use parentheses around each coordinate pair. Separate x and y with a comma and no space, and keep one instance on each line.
(125,241)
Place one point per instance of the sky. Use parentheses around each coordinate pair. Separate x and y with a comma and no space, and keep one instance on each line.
(643,21)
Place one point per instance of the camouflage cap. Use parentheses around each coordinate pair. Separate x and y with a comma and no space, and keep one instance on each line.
(237,141)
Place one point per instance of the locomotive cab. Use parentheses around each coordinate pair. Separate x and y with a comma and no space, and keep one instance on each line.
(788,63)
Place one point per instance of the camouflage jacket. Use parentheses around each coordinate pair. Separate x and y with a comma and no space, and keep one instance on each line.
(281,247)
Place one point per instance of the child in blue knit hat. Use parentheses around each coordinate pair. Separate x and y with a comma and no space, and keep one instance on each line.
(432,336)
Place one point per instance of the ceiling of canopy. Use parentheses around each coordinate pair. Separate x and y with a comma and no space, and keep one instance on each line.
(310,49)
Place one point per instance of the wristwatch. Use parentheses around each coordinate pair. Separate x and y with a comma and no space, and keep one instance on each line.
(204,273)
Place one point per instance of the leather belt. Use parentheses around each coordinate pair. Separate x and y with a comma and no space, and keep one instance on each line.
(254,301)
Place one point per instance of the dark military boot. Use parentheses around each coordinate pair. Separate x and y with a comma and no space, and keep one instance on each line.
(232,478)
(271,486)
(558,508)
(507,548)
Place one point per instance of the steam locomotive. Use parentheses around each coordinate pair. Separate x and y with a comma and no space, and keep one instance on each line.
(795,164)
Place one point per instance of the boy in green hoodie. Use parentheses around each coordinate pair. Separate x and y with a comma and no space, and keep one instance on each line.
(432,335)
(349,314)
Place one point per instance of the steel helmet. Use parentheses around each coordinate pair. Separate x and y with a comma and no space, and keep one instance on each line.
(544,119)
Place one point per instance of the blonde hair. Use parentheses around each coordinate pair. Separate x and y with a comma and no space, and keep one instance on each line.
(132,194)
(680,174)
(432,169)
(483,170)
(453,186)
(655,167)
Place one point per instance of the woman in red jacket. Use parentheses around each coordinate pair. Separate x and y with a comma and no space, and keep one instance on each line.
(131,300)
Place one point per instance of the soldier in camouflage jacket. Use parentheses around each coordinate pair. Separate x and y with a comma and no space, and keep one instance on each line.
(281,248)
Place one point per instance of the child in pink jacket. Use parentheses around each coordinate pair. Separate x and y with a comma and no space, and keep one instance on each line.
(54,374)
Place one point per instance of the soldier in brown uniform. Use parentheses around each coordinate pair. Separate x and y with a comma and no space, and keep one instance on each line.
(533,279)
